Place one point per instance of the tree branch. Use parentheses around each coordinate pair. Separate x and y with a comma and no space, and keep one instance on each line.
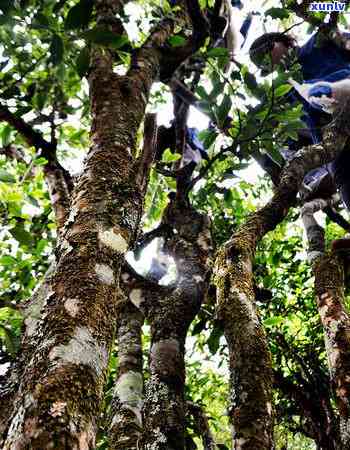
(236,300)
(58,179)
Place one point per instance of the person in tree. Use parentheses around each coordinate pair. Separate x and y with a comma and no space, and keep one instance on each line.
(325,57)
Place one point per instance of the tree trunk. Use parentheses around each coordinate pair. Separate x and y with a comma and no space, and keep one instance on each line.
(250,362)
(329,286)
(126,407)
(170,316)
(61,388)
(170,310)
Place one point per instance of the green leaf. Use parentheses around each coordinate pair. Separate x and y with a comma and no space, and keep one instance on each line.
(56,50)
(6,135)
(41,21)
(39,100)
(177,41)
(102,36)
(250,81)
(83,62)
(277,13)
(275,155)
(7,261)
(40,161)
(217,52)
(79,15)
(21,235)
(202,93)
(40,246)
(223,110)
(208,137)
(200,326)
(273,321)
(6,5)
(22,110)
(10,339)
(12,91)
(214,340)
(190,444)
(168,156)
(6,177)
(282,90)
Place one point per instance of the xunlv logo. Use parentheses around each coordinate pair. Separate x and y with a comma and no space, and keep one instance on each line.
(327,6)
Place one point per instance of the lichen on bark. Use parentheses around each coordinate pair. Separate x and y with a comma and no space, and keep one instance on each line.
(251,396)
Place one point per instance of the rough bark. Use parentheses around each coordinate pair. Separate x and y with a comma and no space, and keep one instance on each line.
(61,387)
(32,310)
(126,407)
(329,287)
(164,408)
(60,189)
(314,232)
(328,269)
(251,409)
(170,311)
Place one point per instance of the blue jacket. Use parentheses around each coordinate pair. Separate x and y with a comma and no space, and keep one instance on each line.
(323,61)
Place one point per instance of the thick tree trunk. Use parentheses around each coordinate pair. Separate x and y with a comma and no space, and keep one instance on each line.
(250,362)
(32,311)
(126,407)
(170,311)
(329,286)
(251,409)
(170,318)
(61,388)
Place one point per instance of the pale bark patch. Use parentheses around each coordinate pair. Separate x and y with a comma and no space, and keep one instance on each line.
(312,256)
(198,278)
(165,354)
(82,349)
(87,439)
(169,345)
(129,389)
(72,214)
(65,246)
(136,297)
(104,273)
(159,438)
(30,324)
(125,277)
(55,198)
(57,409)
(323,310)
(269,408)
(247,304)
(247,265)
(72,306)
(243,396)
(113,240)
(33,312)
(334,357)
(239,443)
